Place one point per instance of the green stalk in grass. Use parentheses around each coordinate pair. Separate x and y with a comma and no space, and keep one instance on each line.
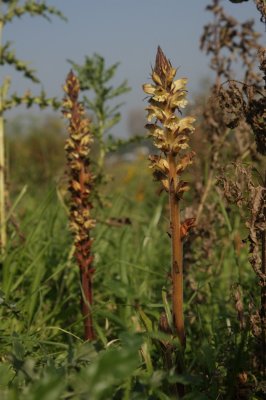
(170,135)
(78,146)
(2,174)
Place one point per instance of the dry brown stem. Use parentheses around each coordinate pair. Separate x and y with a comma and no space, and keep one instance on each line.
(177,253)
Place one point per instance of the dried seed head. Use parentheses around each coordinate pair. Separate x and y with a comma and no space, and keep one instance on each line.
(164,324)
(161,63)
(261,6)
(162,68)
(186,226)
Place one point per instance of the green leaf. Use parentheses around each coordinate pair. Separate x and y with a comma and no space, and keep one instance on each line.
(49,387)
(187,379)
(18,348)
(145,320)
(9,57)
(6,374)
(113,367)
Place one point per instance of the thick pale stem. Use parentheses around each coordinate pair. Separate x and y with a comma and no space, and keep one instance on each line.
(177,253)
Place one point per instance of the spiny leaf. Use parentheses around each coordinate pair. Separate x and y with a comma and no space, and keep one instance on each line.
(33,8)
(9,57)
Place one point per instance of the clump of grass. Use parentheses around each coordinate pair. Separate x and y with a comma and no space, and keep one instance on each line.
(78,146)
(171,134)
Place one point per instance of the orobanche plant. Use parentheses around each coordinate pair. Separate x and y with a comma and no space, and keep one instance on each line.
(78,147)
(170,133)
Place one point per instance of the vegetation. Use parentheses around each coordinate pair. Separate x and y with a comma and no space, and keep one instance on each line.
(95,77)
(9,10)
(141,337)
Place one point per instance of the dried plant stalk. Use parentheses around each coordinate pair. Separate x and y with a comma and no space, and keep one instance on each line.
(170,134)
(250,197)
(77,148)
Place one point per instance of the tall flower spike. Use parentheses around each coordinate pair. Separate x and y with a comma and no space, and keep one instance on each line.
(78,146)
(170,135)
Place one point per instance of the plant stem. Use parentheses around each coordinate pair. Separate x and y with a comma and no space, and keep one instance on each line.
(177,256)
(101,156)
(204,196)
(85,258)
(2,184)
(2,162)
(263,290)
(86,302)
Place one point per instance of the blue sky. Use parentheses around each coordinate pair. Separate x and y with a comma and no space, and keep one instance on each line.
(120,30)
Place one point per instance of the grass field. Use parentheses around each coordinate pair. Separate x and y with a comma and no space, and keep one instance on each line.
(42,351)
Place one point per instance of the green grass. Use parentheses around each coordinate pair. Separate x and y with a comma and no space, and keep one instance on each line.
(43,355)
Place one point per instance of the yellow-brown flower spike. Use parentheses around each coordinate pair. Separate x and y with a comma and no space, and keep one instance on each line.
(78,146)
(170,133)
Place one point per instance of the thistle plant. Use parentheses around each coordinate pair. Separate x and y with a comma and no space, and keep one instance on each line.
(170,135)
(95,77)
(78,146)
(10,10)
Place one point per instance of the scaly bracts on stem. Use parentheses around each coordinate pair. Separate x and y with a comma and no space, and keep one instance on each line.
(78,146)
(170,135)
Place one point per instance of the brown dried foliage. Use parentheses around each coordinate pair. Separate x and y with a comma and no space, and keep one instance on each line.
(227,41)
(240,101)
(241,189)
(224,39)
(261,6)
(250,199)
